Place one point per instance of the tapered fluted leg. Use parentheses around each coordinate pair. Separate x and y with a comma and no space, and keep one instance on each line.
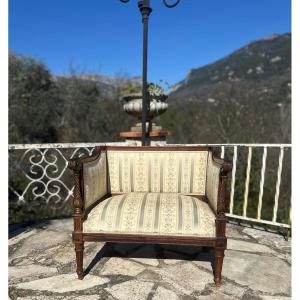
(219,255)
(79,259)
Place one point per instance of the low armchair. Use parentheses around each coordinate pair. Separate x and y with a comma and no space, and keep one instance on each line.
(157,195)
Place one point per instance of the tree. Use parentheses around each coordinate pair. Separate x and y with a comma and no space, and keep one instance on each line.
(34,103)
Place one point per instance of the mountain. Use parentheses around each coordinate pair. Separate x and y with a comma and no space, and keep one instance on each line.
(244,97)
(257,61)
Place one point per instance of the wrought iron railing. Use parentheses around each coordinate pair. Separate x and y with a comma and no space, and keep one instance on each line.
(259,185)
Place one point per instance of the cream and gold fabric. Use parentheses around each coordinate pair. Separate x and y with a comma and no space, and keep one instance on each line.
(157,171)
(212,186)
(152,213)
(95,179)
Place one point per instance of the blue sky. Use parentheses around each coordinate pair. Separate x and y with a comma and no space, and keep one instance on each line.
(105,36)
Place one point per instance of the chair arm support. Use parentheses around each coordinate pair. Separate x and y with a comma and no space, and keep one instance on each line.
(90,184)
(224,165)
(217,170)
(75,163)
(93,181)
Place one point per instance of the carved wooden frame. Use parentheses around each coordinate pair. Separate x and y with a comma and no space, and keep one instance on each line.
(219,242)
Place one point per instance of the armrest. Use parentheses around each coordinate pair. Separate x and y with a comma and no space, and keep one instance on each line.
(77,163)
(224,165)
(73,162)
(217,170)
(90,180)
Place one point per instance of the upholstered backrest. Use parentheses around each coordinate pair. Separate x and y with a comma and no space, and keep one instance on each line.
(95,180)
(148,170)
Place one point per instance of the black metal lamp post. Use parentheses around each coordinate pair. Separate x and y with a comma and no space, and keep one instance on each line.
(145,9)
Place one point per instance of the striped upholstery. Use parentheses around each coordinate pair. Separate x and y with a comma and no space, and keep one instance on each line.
(95,180)
(157,171)
(213,178)
(152,213)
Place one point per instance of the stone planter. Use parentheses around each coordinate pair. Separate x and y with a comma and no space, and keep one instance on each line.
(133,106)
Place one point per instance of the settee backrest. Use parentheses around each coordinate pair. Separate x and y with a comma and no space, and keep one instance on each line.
(157,169)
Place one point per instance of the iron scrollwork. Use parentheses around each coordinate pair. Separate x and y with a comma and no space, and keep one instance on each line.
(44,173)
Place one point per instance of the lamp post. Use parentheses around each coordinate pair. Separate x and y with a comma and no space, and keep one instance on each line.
(145,9)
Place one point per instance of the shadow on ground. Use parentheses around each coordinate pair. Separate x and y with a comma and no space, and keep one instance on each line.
(177,252)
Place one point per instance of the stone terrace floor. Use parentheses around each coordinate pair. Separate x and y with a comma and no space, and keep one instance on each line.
(257,265)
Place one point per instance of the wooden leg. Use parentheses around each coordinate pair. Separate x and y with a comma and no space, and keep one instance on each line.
(219,255)
(79,246)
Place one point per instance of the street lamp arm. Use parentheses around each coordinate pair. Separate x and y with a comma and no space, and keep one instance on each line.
(165,3)
(171,5)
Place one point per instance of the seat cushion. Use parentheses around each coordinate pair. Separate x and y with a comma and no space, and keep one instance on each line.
(152,213)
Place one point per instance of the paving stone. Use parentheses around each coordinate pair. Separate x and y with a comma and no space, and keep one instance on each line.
(285,256)
(84,297)
(63,283)
(62,254)
(203,264)
(172,261)
(149,275)
(185,277)
(275,298)
(40,241)
(204,259)
(22,272)
(147,261)
(270,239)
(63,225)
(23,235)
(230,289)
(235,231)
(247,246)
(164,294)
(217,296)
(91,250)
(121,266)
(259,272)
(131,290)
(21,261)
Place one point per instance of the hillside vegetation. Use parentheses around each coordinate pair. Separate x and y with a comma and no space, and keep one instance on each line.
(244,97)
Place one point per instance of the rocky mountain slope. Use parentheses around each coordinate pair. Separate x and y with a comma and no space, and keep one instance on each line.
(256,62)
(244,97)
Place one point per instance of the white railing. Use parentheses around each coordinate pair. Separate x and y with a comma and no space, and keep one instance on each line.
(43,168)
(282,148)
